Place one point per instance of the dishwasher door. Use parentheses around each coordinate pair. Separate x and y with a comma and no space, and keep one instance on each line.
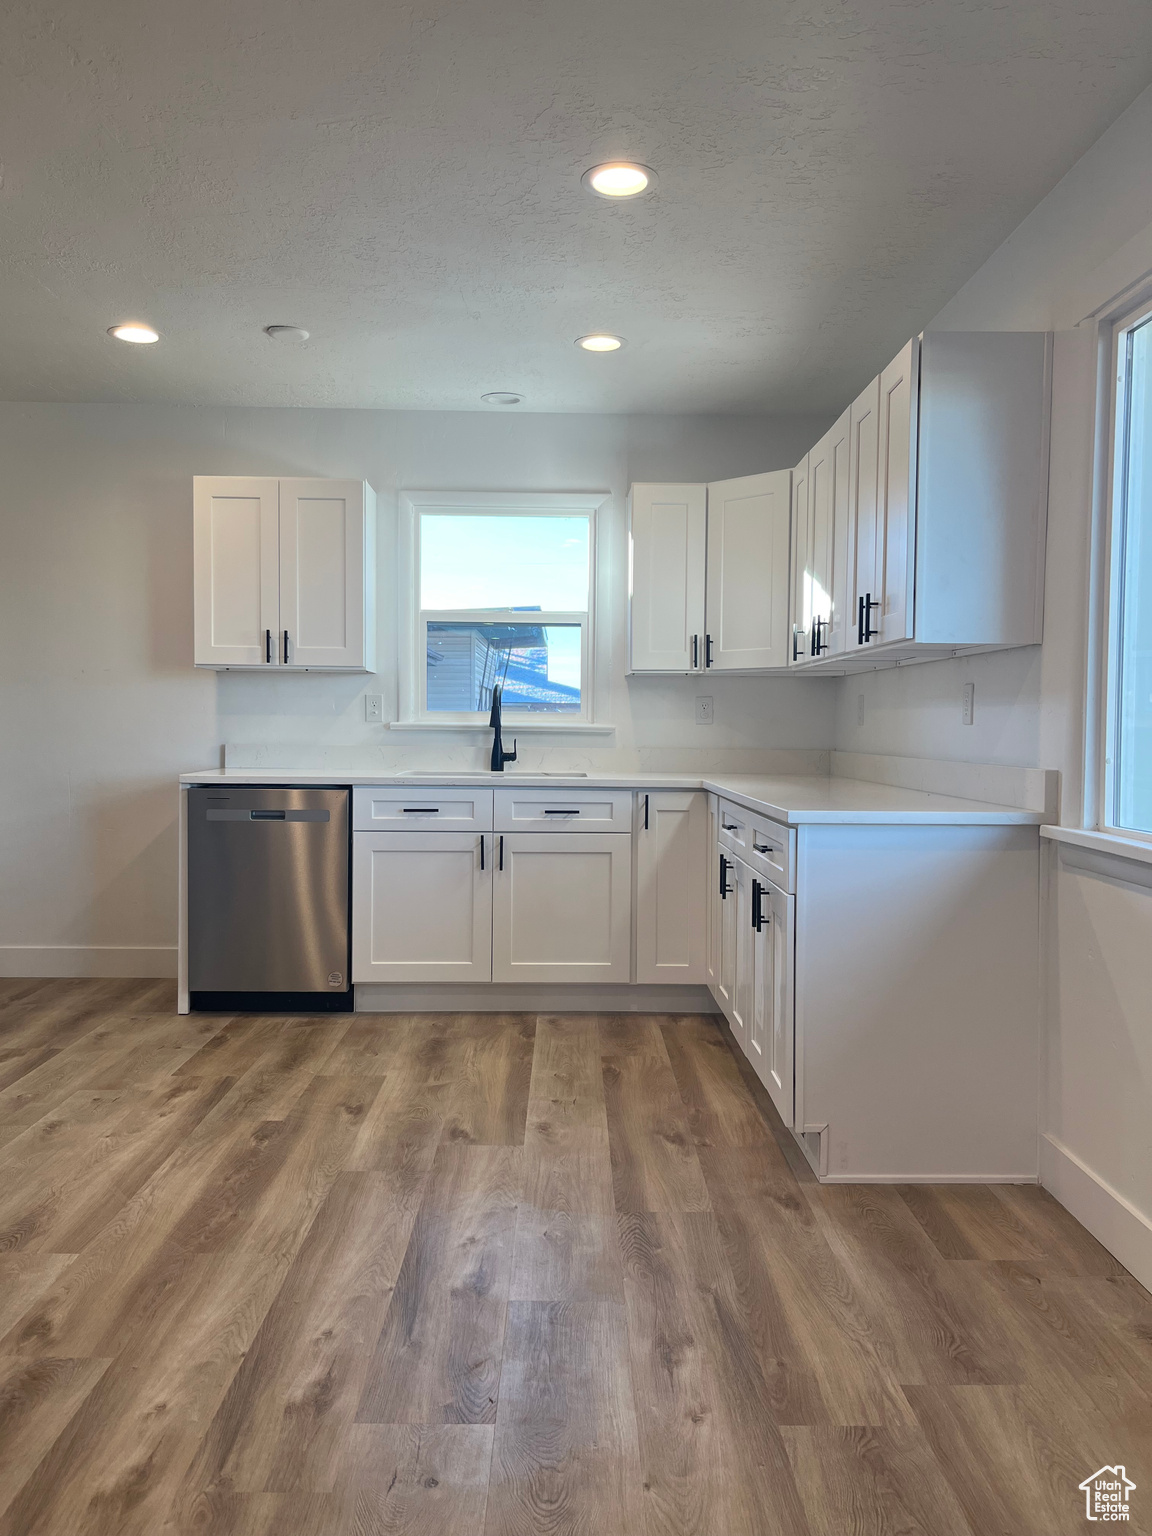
(268,892)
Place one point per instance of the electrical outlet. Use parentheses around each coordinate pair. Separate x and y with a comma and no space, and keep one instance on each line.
(704,712)
(373,706)
(859,709)
(969,703)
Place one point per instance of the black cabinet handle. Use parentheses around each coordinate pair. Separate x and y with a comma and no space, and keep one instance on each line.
(481,850)
(757,892)
(695,651)
(501,850)
(645,813)
(864,630)
(795,642)
(421,810)
(764,847)
(285,647)
(707,650)
(729,826)
(268,645)
(725,888)
(819,644)
(561,813)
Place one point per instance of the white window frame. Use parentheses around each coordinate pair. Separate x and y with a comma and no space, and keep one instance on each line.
(414,621)
(1108,724)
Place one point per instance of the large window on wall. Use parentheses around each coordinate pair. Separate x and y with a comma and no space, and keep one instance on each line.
(1128,736)
(502,599)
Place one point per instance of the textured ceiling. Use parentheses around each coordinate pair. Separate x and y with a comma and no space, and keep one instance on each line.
(404,181)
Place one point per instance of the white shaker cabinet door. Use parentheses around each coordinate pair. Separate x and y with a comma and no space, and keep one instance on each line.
(236,565)
(865,558)
(672,887)
(421,907)
(562,907)
(896,490)
(714,896)
(801,631)
(326,549)
(826,557)
(666,616)
(747,603)
(772,1029)
(743,991)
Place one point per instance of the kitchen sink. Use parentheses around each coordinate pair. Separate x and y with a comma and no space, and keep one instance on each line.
(473,773)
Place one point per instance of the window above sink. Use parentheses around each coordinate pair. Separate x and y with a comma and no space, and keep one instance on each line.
(500,595)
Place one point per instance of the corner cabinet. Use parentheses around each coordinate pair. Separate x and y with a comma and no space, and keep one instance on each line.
(285,574)
(922,529)
(709,575)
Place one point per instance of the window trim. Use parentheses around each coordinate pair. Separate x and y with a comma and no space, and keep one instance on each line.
(412,636)
(1107,724)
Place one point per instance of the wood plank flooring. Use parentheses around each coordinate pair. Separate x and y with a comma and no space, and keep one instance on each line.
(513,1276)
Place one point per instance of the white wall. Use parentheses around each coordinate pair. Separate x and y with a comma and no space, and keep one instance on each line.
(100,708)
(1086,243)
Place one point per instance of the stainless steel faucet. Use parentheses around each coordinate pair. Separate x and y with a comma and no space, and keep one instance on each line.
(499,756)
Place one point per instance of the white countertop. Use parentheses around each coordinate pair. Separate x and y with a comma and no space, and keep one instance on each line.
(794,801)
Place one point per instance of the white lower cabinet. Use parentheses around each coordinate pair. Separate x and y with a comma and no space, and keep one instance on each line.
(422,907)
(562,907)
(772,1029)
(672,887)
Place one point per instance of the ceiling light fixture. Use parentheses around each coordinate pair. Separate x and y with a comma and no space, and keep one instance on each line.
(286,332)
(619,178)
(132,330)
(501,397)
(600,341)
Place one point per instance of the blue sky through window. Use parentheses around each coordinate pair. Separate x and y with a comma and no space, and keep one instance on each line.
(484,561)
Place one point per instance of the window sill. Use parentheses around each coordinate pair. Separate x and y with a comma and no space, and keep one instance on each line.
(510,727)
(1136,848)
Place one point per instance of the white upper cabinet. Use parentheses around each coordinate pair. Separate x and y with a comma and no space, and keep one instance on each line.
(284,573)
(667,577)
(236,558)
(826,551)
(801,572)
(948,469)
(709,576)
(747,586)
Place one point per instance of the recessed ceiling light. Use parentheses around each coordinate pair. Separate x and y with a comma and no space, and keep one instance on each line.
(600,341)
(619,178)
(501,397)
(286,332)
(133,331)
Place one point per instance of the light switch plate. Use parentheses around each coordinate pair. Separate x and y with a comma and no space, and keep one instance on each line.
(969,703)
(373,706)
(704,712)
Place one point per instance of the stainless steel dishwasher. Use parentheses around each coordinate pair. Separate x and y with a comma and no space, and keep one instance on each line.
(269,899)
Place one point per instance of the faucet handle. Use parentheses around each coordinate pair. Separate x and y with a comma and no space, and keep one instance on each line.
(510,757)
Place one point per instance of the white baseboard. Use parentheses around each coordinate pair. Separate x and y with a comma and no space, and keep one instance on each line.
(1112,1220)
(147,961)
(927,1178)
(520,998)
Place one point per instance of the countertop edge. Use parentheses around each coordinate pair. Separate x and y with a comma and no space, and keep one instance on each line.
(922,814)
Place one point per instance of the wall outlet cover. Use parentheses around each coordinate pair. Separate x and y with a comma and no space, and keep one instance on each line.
(969,706)
(374,706)
(704,711)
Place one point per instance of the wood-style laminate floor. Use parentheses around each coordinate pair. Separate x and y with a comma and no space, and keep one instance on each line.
(499,1275)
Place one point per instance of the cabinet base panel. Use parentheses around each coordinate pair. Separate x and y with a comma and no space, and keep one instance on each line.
(528,998)
(273,1002)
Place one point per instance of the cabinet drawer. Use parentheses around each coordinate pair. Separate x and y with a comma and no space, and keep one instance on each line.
(771,851)
(439,808)
(542,810)
(767,847)
(735,828)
